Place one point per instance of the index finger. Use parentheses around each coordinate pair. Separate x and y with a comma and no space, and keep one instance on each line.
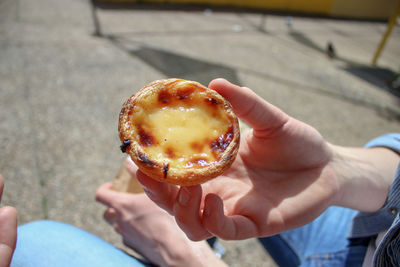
(249,106)
(8,233)
(105,194)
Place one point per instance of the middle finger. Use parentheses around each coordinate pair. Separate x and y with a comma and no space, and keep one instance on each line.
(187,212)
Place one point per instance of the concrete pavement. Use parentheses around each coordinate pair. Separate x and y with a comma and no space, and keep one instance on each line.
(61,89)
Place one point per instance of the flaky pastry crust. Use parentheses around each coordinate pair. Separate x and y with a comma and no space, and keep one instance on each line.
(163,160)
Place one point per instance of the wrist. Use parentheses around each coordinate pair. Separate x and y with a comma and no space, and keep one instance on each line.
(364,176)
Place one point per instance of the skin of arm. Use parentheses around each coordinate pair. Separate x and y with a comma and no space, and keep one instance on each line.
(151,231)
(285,175)
(365,176)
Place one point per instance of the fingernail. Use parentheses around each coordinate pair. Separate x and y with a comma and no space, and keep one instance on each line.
(184,196)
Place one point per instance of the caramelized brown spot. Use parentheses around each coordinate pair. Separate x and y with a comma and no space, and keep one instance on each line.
(216,115)
(164,96)
(222,142)
(145,138)
(197,146)
(185,93)
(170,153)
(212,101)
(165,169)
(143,158)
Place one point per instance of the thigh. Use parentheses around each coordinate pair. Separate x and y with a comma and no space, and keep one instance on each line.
(352,256)
(49,243)
(322,239)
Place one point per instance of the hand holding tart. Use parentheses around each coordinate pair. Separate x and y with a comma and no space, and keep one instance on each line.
(179,131)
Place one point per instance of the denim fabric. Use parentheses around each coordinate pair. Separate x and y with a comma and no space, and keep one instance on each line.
(320,243)
(50,244)
(391,141)
(323,242)
(388,251)
(368,224)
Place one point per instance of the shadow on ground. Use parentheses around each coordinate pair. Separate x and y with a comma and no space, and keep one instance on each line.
(382,78)
(175,65)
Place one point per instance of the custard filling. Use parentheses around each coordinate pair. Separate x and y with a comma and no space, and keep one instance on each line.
(182,136)
(189,132)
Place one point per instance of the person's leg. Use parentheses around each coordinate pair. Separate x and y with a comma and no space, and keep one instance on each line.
(324,239)
(49,243)
(282,253)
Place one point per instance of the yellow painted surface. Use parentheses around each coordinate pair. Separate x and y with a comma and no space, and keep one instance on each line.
(311,6)
(363,8)
(379,9)
(320,6)
(391,24)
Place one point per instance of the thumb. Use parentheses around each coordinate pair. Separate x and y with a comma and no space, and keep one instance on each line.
(8,233)
(247,105)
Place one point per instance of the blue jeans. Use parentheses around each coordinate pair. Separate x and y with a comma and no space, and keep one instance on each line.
(49,243)
(322,242)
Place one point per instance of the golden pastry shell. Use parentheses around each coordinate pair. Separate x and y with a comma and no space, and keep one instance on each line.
(157,169)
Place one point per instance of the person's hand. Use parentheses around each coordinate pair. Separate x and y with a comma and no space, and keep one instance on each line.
(279,180)
(285,175)
(8,230)
(151,231)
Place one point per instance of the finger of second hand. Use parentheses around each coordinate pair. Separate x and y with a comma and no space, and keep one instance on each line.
(110,215)
(8,233)
(105,194)
(187,212)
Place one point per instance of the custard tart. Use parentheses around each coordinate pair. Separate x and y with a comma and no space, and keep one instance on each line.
(179,131)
